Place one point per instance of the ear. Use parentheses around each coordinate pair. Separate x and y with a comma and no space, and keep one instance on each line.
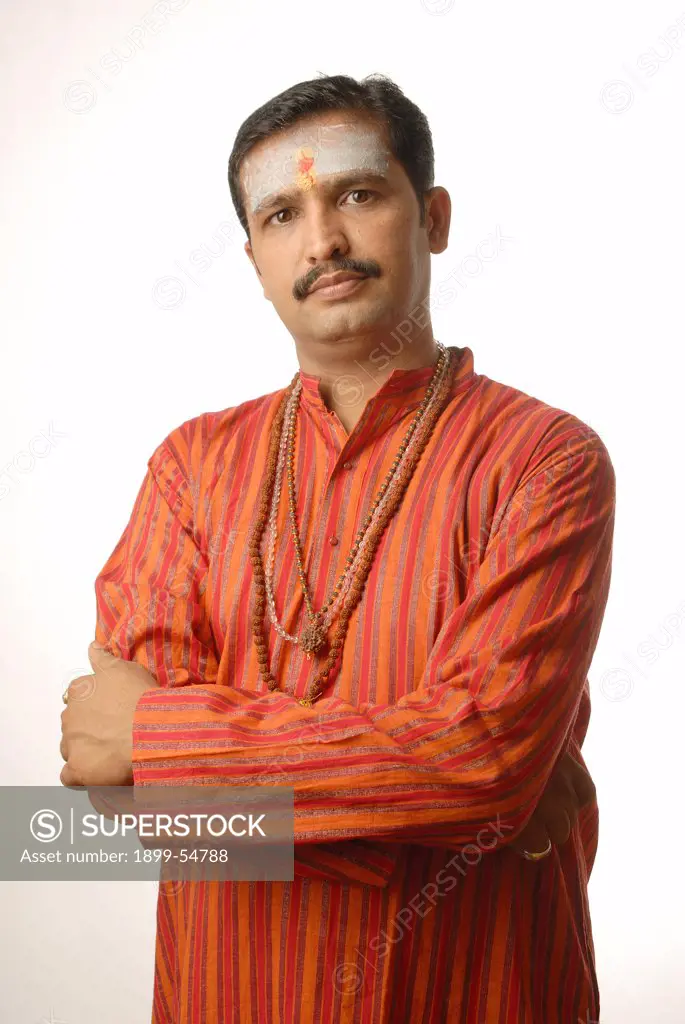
(250,254)
(438,217)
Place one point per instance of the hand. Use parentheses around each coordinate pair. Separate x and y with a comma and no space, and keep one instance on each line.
(97,723)
(569,788)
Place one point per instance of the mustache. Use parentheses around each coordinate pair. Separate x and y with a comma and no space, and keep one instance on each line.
(367,267)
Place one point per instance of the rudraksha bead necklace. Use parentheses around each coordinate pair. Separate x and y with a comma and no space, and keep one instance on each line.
(360,559)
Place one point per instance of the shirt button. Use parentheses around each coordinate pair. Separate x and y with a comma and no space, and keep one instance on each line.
(348,465)
(333,540)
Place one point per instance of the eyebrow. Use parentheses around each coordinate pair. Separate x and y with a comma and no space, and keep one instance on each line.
(332,184)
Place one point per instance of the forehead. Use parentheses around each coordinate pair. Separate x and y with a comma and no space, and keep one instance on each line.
(297,157)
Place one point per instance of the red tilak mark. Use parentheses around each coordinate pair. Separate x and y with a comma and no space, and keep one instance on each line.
(304,163)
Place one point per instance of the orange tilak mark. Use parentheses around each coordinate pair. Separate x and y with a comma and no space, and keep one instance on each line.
(305,174)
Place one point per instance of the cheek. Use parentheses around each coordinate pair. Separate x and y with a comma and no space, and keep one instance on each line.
(388,227)
(388,238)
(277,277)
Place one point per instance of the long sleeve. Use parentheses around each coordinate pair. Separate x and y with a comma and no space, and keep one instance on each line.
(151,609)
(472,747)
(149,594)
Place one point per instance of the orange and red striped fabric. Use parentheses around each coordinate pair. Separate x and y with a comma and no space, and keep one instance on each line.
(463,679)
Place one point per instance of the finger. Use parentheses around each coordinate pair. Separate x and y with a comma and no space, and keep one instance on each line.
(559,827)
(533,838)
(63,742)
(104,663)
(558,810)
(99,657)
(68,777)
(583,785)
(559,795)
(111,801)
(101,804)
(80,689)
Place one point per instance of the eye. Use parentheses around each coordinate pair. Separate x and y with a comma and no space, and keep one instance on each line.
(361,192)
(270,219)
(286,209)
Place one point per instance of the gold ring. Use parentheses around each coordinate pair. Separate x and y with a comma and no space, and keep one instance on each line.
(64,696)
(538,856)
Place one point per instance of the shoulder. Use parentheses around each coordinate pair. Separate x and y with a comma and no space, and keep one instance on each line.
(531,434)
(178,459)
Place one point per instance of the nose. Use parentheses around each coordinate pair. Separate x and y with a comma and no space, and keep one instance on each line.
(326,240)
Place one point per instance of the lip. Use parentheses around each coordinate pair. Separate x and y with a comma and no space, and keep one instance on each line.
(341,283)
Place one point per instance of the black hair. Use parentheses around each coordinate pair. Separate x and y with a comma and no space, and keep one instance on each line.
(408,131)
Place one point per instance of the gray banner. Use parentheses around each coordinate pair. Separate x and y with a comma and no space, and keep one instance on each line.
(129,833)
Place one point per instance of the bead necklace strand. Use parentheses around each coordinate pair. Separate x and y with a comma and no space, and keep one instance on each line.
(360,559)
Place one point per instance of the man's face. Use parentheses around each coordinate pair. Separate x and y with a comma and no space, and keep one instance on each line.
(327,195)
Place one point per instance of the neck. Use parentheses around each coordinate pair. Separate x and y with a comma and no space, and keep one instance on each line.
(352,372)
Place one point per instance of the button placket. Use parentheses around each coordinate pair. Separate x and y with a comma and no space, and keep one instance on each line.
(336,484)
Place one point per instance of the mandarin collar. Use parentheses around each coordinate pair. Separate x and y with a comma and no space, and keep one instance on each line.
(401,385)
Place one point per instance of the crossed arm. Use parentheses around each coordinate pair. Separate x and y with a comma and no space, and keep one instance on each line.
(475,744)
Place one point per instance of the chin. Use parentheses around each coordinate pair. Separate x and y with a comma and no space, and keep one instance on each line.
(340,329)
(351,320)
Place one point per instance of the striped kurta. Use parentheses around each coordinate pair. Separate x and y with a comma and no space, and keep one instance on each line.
(462,681)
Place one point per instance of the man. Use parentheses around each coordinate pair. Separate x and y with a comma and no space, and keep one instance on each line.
(400,630)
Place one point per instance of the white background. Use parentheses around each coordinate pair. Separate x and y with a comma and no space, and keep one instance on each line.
(549,122)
